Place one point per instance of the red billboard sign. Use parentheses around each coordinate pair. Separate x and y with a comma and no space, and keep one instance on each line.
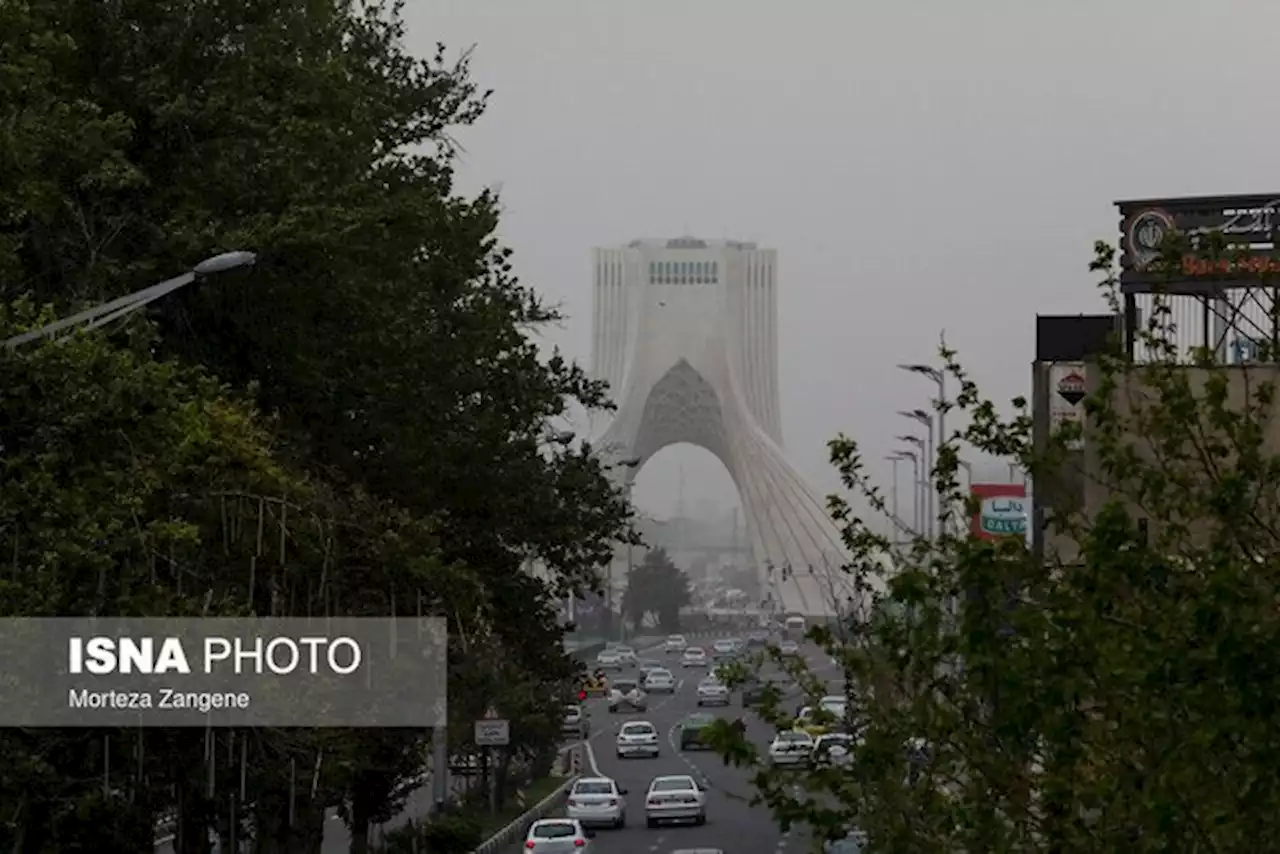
(1003,510)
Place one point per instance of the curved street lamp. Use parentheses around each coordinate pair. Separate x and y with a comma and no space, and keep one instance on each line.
(100,315)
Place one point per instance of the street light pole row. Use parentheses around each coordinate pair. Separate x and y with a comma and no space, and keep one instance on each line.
(928,446)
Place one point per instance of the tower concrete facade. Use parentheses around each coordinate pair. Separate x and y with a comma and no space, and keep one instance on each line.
(685,333)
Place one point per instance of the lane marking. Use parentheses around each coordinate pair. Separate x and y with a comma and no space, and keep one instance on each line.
(591,759)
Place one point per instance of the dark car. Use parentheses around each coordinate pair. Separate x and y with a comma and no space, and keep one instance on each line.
(753,690)
(692,731)
(758,639)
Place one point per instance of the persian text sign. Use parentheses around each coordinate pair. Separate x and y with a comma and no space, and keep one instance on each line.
(1248,225)
(339,672)
(1002,510)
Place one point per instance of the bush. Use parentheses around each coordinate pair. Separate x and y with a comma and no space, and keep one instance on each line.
(456,833)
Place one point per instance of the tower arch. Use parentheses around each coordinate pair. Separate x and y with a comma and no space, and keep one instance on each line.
(692,358)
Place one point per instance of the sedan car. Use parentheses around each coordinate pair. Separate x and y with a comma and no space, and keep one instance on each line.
(834,749)
(791,748)
(597,801)
(558,836)
(625,654)
(758,639)
(725,648)
(676,798)
(675,644)
(638,738)
(575,722)
(626,695)
(712,692)
(693,731)
(609,660)
(789,648)
(660,681)
(694,656)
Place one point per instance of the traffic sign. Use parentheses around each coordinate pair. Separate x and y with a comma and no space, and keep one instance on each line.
(493,733)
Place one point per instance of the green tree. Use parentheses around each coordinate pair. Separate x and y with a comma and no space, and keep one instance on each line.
(383,330)
(657,588)
(1118,699)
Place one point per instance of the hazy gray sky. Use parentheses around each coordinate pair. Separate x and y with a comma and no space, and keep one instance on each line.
(918,165)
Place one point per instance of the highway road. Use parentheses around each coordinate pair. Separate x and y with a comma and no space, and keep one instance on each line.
(732,823)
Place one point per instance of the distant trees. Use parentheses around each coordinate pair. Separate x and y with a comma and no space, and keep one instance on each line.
(657,588)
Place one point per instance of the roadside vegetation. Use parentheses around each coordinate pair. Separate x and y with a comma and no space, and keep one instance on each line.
(1118,699)
(358,426)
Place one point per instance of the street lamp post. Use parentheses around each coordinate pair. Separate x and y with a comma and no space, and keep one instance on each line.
(100,315)
(968,487)
(923,526)
(893,496)
(924,418)
(631,465)
(940,379)
(915,480)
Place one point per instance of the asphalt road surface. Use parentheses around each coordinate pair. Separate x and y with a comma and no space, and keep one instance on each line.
(732,823)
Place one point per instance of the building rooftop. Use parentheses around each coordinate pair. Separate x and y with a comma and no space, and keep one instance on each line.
(689,242)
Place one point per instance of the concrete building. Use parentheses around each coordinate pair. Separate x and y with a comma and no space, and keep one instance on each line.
(685,332)
(1081,485)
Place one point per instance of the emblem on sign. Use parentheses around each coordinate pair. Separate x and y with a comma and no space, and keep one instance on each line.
(1071,388)
(1147,233)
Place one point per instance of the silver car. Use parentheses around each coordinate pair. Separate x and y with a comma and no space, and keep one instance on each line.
(712,692)
(626,695)
(638,738)
(677,798)
(659,681)
(598,801)
(575,723)
(609,660)
(558,836)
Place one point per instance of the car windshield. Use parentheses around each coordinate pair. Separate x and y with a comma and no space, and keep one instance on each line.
(637,729)
(675,639)
(624,686)
(835,741)
(674,784)
(693,651)
(625,650)
(554,829)
(659,673)
(572,711)
(593,787)
(793,736)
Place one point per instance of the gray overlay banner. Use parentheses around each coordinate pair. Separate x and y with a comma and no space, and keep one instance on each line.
(172,672)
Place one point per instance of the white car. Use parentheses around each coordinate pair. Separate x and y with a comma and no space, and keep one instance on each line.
(675,643)
(659,681)
(558,836)
(725,647)
(627,694)
(835,705)
(675,798)
(791,747)
(608,660)
(833,749)
(625,654)
(789,647)
(598,800)
(638,738)
(694,656)
(712,692)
